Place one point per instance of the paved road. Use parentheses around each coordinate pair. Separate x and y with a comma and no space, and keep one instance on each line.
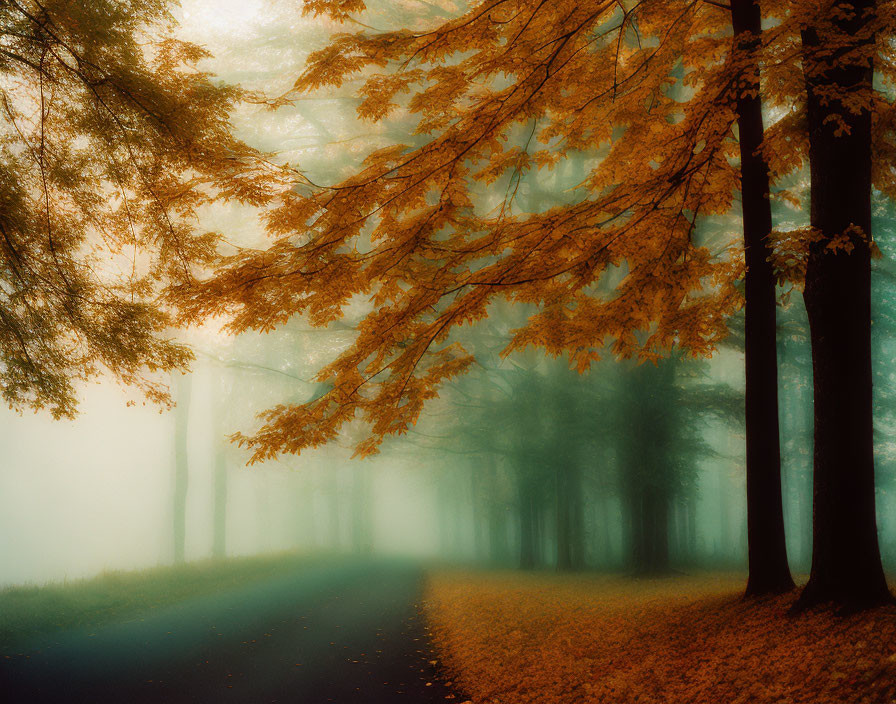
(329,633)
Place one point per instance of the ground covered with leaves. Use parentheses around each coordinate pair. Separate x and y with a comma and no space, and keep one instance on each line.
(508,638)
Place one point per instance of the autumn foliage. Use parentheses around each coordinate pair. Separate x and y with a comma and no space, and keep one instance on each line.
(111,141)
(431,232)
(513,639)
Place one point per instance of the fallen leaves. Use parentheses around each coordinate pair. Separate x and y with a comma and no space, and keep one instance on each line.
(511,638)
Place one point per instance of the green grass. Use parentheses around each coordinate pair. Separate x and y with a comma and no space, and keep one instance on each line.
(30,611)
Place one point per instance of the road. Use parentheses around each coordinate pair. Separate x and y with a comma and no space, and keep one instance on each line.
(326,633)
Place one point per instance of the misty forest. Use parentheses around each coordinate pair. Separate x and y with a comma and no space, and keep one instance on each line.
(487,351)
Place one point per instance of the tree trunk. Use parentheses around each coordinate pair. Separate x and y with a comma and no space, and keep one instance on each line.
(362,524)
(219,521)
(477,497)
(219,488)
(495,512)
(604,551)
(768,569)
(635,524)
(335,510)
(655,550)
(569,516)
(692,529)
(846,565)
(528,525)
(183,384)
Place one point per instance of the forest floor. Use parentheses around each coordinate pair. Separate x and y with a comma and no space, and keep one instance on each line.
(514,638)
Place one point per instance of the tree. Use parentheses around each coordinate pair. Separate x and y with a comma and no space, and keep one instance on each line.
(417,233)
(768,568)
(183,392)
(111,142)
(650,91)
(838,55)
(220,393)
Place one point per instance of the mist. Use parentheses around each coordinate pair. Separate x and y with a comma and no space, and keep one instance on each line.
(549,489)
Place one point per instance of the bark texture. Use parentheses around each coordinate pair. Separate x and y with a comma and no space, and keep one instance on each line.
(769,572)
(846,566)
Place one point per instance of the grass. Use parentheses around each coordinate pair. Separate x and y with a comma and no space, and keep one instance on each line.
(30,611)
(510,638)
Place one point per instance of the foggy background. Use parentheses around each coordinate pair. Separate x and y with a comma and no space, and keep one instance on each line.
(97,493)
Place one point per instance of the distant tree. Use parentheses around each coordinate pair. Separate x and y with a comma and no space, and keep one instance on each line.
(221,399)
(500,91)
(658,416)
(183,392)
(795,368)
(540,85)
(652,90)
(110,140)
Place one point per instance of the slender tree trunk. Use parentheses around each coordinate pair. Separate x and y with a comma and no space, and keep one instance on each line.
(846,565)
(528,525)
(476,510)
(183,390)
(578,519)
(769,571)
(564,538)
(636,523)
(649,532)
(219,521)
(660,563)
(219,487)
(651,551)
(692,528)
(495,512)
(607,547)
(569,515)
(362,538)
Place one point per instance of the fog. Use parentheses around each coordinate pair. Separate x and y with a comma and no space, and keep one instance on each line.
(518,463)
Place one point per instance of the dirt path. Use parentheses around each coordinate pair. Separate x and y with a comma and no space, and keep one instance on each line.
(337,633)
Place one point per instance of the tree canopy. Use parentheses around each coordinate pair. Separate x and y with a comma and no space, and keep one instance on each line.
(647,91)
(112,140)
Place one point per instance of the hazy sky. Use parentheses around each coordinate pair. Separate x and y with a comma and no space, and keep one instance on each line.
(77,497)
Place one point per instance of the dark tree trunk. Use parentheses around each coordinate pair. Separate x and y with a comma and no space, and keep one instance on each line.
(528,525)
(496,513)
(648,520)
(661,563)
(476,510)
(846,565)
(692,528)
(769,572)
(635,523)
(655,516)
(183,391)
(649,473)
(497,535)
(646,471)
(650,549)
(602,527)
(570,548)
